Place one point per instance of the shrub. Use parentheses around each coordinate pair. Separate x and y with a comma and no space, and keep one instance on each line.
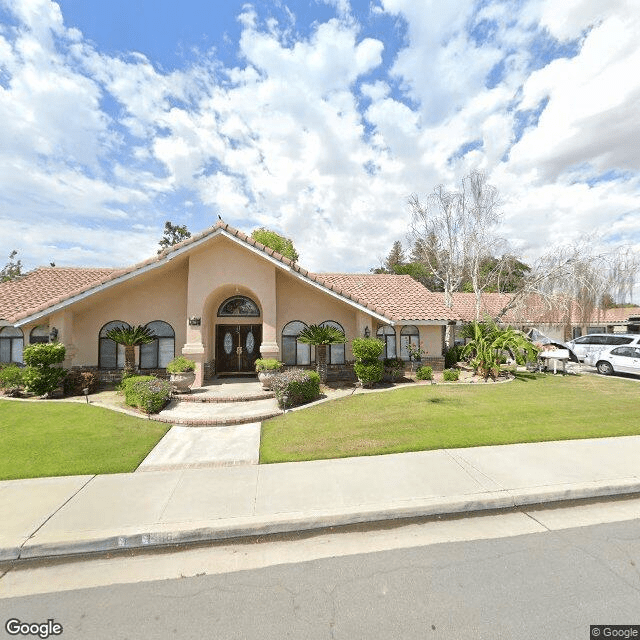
(11,379)
(39,376)
(453,356)
(180,364)
(75,381)
(425,373)
(146,392)
(295,386)
(393,368)
(268,364)
(366,349)
(451,375)
(367,366)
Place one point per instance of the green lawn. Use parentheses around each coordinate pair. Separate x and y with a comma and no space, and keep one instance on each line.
(52,438)
(529,409)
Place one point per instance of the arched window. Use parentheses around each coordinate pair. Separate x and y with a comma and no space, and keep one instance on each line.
(239,306)
(294,352)
(39,334)
(110,354)
(388,335)
(11,344)
(159,353)
(335,352)
(409,335)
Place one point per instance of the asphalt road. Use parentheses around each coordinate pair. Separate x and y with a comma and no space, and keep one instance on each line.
(496,580)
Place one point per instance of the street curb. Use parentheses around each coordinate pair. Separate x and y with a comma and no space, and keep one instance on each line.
(194,532)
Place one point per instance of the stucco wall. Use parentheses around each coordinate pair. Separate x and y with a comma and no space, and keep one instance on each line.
(158,295)
(298,301)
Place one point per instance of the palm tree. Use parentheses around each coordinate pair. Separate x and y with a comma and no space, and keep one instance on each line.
(130,337)
(320,337)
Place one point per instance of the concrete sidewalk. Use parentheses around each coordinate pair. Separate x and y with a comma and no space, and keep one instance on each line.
(80,514)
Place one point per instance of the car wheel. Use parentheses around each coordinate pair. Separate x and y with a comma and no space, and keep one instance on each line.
(604,368)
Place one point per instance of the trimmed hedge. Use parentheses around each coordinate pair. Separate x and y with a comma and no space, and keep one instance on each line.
(40,377)
(295,386)
(368,368)
(146,392)
(424,373)
(451,375)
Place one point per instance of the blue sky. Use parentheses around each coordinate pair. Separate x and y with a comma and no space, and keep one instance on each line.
(317,119)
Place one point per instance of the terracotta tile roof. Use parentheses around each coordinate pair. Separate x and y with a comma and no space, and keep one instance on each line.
(621,314)
(398,297)
(45,287)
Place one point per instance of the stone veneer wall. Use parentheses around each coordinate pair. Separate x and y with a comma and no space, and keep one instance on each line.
(111,377)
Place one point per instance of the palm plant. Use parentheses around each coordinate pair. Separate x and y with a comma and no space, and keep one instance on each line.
(488,342)
(130,337)
(321,337)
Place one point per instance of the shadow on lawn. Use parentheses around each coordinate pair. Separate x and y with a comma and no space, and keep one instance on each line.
(525,376)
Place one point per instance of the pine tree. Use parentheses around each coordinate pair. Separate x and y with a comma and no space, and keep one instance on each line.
(396,257)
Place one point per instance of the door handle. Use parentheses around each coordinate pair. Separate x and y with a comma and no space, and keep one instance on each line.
(239,351)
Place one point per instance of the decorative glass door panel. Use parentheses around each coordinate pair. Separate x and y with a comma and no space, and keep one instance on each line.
(237,347)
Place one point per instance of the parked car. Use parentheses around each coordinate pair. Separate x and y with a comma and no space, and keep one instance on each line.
(598,341)
(624,359)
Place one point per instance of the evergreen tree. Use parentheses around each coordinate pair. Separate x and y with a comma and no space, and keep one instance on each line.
(13,268)
(396,257)
(173,234)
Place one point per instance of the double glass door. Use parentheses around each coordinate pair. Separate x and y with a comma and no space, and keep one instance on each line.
(237,347)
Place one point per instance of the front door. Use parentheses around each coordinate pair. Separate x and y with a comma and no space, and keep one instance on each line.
(237,347)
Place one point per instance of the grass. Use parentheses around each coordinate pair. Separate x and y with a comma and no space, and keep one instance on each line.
(51,438)
(533,408)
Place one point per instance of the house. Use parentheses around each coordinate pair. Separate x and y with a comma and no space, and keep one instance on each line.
(219,298)
(559,322)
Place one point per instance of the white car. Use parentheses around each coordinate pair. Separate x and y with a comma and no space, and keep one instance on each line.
(596,342)
(623,359)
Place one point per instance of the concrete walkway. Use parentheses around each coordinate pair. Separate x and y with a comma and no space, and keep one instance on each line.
(70,515)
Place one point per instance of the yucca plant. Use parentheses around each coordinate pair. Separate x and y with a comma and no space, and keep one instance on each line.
(131,337)
(321,337)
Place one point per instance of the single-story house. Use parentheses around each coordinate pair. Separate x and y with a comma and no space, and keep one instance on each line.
(219,298)
(561,323)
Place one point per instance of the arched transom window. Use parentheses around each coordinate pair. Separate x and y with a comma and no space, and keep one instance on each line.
(159,353)
(39,334)
(388,335)
(294,352)
(11,344)
(239,306)
(409,335)
(110,354)
(335,352)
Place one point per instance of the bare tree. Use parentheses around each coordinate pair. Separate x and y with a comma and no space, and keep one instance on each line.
(570,282)
(453,232)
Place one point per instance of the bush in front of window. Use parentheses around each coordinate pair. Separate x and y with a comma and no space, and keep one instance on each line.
(453,355)
(295,386)
(41,376)
(368,368)
(76,381)
(425,373)
(11,379)
(146,392)
(451,375)
(393,368)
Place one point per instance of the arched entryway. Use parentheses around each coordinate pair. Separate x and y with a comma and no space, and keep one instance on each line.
(238,335)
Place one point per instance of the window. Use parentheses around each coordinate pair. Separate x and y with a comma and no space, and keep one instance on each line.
(39,334)
(294,352)
(110,354)
(11,344)
(239,306)
(409,335)
(335,352)
(388,335)
(159,353)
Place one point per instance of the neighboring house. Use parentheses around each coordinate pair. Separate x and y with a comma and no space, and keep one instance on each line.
(221,299)
(561,323)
